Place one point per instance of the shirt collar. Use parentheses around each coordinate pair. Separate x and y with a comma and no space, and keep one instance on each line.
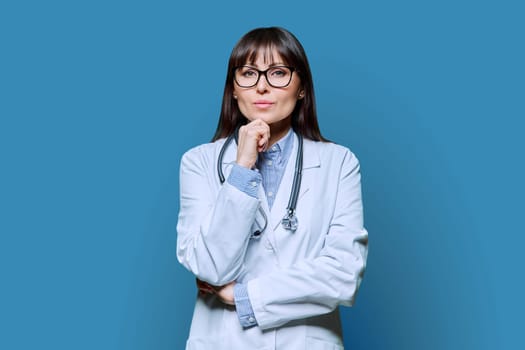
(279,152)
(282,145)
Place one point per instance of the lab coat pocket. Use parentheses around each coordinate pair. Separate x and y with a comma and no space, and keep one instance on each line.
(321,344)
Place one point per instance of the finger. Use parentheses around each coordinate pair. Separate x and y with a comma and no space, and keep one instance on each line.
(203,286)
(261,147)
(263,141)
(206,290)
(242,130)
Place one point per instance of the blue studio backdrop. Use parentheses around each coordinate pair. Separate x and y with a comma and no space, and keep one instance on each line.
(99,100)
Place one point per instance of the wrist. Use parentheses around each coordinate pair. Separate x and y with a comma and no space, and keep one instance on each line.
(245,164)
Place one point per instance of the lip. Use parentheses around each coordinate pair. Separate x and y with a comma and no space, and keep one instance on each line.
(263,103)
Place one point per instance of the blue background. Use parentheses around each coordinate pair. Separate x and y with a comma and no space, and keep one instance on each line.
(99,99)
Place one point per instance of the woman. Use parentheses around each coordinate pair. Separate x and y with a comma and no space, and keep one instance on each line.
(271,219)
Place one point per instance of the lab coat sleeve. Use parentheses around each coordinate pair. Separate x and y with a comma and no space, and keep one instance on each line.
(213,229)
(318,285)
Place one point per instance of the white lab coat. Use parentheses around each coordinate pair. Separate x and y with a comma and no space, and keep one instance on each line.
(295,280)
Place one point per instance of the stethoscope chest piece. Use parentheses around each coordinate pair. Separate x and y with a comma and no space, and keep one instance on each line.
(289,221)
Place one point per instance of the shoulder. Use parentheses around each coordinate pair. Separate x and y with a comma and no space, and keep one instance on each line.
(331,152)
(204,148)
(202,154)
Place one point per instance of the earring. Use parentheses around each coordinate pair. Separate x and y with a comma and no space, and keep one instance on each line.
(235,96)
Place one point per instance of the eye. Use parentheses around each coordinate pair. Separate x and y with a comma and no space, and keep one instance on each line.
(279,72)
(248,72)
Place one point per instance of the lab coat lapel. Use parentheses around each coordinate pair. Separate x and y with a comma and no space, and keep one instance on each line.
(311,160)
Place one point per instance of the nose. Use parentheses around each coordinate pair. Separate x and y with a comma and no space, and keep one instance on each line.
(262,84)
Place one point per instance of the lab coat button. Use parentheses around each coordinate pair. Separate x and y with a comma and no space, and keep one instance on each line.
(251,319)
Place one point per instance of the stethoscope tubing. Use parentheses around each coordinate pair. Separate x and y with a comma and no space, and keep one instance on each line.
(289,221)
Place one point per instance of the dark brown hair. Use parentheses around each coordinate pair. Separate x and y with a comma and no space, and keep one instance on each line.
(264,41)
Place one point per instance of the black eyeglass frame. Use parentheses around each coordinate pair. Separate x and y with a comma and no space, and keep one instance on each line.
(261,73)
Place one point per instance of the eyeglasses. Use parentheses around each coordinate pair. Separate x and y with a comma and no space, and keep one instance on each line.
(277,76)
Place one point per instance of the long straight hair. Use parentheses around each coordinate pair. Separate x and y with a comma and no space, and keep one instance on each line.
(266,41)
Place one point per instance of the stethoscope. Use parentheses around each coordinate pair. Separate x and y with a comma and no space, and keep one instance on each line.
(289,220)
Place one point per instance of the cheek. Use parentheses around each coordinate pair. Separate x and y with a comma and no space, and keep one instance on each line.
(244,106)
(289,103)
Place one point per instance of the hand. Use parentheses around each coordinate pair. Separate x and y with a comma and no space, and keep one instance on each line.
(225,293)
(253,138)
(204,288)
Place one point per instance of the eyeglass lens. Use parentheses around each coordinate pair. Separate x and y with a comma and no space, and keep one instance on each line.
(279,76)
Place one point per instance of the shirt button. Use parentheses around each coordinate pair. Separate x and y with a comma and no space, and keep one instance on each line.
(269,163)
(270,194)
(253,183)
(274,148)
(251,319)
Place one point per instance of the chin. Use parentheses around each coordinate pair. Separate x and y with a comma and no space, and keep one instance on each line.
(268,118)
(260,116)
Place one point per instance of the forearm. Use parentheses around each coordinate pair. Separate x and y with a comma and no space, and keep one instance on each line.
(309,287)
(213,233)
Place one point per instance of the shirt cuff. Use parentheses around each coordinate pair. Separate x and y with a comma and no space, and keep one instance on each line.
(243,306)
(245,180)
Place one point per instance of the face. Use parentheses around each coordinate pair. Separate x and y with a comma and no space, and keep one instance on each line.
(272,105)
